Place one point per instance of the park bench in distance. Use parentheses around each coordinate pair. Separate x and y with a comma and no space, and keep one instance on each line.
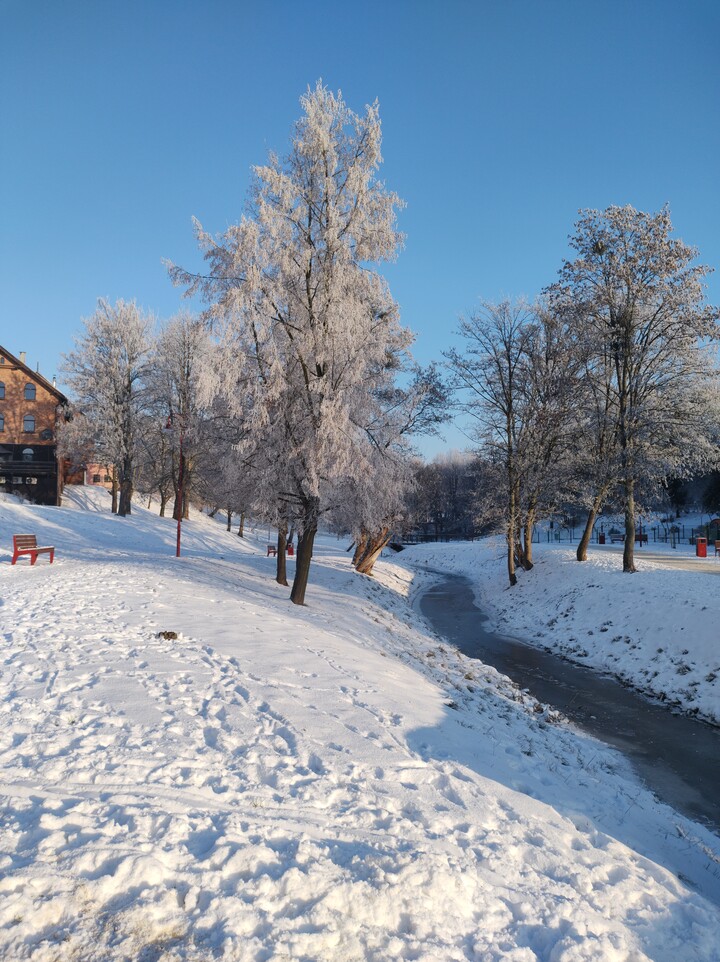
(27,544)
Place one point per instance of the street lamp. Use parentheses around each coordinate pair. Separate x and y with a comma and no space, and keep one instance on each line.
(168,429)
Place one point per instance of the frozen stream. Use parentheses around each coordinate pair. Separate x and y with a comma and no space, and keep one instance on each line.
(676,756)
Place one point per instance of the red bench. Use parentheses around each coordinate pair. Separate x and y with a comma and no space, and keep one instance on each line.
(27,544)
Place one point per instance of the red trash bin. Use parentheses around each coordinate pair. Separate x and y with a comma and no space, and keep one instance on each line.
(701,547)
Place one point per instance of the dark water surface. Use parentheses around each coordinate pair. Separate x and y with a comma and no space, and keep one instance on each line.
(677,757)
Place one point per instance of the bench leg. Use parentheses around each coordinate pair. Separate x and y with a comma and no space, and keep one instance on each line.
(33,557)
(52,555)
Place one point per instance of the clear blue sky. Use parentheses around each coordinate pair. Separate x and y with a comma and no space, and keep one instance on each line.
(122,119)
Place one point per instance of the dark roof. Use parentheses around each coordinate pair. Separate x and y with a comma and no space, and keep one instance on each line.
(35,375)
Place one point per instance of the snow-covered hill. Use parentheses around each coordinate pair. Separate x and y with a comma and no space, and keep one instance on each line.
(320,783)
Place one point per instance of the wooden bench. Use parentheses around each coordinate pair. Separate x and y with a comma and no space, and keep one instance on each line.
(717,548)
(272,550)
(616,536)
(27,544)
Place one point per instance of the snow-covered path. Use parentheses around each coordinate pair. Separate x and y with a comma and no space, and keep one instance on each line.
(326,783)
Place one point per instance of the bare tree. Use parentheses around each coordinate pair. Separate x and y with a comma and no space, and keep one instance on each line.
(490,374)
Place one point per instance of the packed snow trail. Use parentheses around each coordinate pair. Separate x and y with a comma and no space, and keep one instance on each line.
(325,783)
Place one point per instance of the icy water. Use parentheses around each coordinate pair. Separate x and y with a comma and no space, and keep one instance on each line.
(677,757)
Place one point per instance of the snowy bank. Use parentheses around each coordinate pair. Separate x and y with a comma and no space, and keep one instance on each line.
(320,783)
(657,629)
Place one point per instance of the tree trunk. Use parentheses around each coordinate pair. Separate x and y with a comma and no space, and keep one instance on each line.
(511,531)
(212,512)
(511,561)
(163,503)
(114,490)
(229,520)
(582,548)
(373,550)
(126,490)
(180,509)
(528,528)
(281,569)
(360,547)
(629,550)
(305,544)
(241,526)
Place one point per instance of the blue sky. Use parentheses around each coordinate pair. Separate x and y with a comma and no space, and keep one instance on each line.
(120,120)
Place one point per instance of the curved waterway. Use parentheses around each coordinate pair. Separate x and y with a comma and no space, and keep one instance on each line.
(677,757)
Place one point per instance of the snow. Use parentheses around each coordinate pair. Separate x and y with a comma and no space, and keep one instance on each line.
(320,783)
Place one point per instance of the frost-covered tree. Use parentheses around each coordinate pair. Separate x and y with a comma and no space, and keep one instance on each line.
(107,373)
(305,321)
(640,300)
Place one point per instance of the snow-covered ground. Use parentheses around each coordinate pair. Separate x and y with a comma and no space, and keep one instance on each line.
(283,783)
(657,629)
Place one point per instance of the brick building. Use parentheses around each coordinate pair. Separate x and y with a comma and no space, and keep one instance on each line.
(30,408)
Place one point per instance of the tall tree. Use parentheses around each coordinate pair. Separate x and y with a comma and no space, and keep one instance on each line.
(179,358)
(306,323)
(490,373)
(643,311)
(107,373)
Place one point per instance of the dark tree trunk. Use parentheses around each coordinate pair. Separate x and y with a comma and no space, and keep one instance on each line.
(306,540)
(163,503)
(229,519)
(597,504)
(629,550)
(180,510)
(512,577)
(528,528)
(241,526)
(281,572)
(114,490)
(126,490)
(212,512)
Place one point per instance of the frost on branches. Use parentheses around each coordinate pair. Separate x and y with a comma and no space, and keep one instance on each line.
(107,372)
(638,301)
(308,333)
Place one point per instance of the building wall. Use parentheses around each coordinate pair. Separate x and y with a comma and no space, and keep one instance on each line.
(28,463)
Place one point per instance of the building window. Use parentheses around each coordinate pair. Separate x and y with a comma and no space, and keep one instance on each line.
(29,424)
(29,391)
(96,479)
(27,454)
(2,390)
